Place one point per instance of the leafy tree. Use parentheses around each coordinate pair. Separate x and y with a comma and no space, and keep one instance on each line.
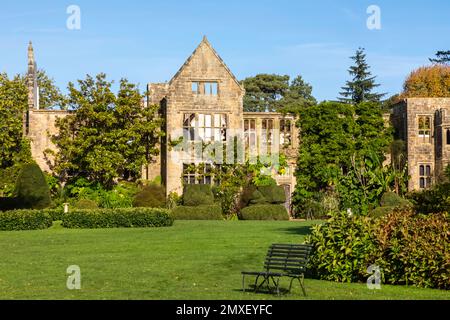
(442,57)
(360,88)
(108,137)
(264,92)
(275,93)
(432,82)
(343,149)
(298,96)
(14,148)
(49,94)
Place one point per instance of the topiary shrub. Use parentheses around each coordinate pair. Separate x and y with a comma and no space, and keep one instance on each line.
(117,218)
(257,198)
(389,202)
(197,195)
(391,199)
(32,190)
(85,204)
(210,212)
(25,220)
(273,194)
(151,196)
(264,212)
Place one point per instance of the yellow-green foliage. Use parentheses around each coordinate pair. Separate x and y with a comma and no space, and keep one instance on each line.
(432,81)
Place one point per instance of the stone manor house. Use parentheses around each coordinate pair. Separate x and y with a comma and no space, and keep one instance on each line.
(204,102)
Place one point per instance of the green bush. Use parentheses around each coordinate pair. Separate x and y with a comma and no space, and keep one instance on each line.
(264,212)
(381,211)
(434,200)
(85,204)
(410,249)
(273,194)
(257,198)
(414,249)
(25,220)
(197,195)
(342,248)
(117,218)
(151,196)
(246,196)
(389,202)
(32,190)
(209,212)
(391,199)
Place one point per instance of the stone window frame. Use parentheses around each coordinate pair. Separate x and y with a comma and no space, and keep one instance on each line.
(191,174)
(425,138)
(209,88)
(217,126)
(425,175)
(267,134)
(250,135)
(284,131)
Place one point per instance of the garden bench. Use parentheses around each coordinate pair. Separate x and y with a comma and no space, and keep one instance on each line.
(282,260)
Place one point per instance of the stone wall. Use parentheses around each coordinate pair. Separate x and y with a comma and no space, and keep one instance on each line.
(423,150)
(41,127)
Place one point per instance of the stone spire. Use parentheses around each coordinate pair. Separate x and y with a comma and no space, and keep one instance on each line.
(33,91)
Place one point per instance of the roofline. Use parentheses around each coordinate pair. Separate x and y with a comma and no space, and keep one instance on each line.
(205,41)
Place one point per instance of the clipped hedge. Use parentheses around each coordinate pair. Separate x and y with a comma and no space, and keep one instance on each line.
(212,212)
(32,190)
(264,212)
(273,194)
(151,196)
(25,220)
(198,195)
(389,202)
(117,218)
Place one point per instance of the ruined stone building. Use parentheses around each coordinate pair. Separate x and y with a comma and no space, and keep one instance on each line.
(424,125)
(202,102)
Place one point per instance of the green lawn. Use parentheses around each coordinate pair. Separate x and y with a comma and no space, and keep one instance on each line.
(191,260)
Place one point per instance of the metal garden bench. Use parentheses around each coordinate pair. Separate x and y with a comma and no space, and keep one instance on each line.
(282,260)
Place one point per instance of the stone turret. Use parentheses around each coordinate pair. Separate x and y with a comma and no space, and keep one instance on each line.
(33,89)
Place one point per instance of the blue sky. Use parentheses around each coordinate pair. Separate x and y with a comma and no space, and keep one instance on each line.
(147,41)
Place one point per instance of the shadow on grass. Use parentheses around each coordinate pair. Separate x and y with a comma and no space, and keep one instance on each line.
(300,230)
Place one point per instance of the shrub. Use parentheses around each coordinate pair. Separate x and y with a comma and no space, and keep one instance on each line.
(342,248)
(414,249)
(257,198)
(273,194)
(389,202)
(410,249)
(85,204)
(391,199)
(32,190)
(246,196)
(151,196)
(117,218)
(434,200)
(264,212)
(197,195)
(25,220)
(210,212)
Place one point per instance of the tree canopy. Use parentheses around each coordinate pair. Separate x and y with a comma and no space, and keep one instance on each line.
(109,136)
(360,88)
(428,82)
(442,57)
(275,93)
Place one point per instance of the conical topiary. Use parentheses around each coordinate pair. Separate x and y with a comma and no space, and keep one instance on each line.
(32,191)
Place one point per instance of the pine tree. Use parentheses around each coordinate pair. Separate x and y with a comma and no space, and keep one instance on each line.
(442,57)
(360,88)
